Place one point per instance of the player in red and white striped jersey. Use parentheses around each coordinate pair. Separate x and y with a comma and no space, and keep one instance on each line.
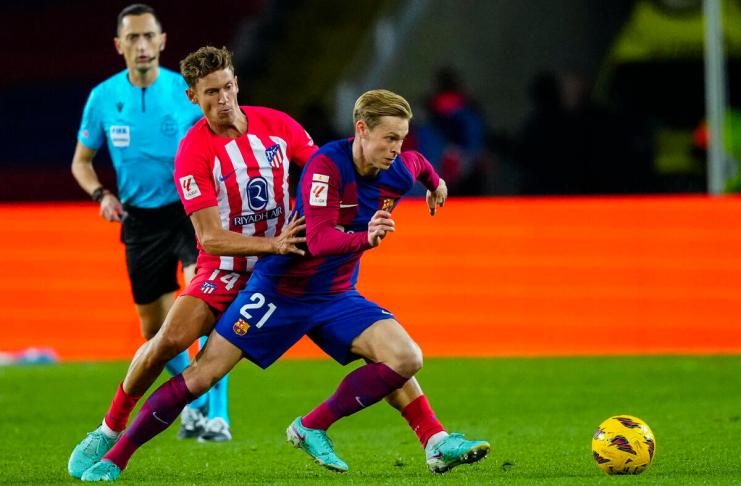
(231,171)
(245,177)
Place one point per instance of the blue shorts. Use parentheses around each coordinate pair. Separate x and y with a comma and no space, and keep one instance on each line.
(264,324)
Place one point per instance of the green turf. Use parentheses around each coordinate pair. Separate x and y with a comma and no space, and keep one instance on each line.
(538,413)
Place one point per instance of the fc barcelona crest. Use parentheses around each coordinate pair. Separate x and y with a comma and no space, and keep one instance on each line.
(241,327)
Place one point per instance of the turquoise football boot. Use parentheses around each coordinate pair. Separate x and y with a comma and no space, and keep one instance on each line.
(88,452)
(102,471)
(315,443)
(454,450)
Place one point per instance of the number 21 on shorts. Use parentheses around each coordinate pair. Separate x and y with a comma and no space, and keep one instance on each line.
(258,301)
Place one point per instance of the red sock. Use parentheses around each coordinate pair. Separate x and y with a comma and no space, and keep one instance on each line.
(422,419)
(121,407)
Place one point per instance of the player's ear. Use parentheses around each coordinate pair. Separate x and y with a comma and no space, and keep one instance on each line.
(191,96)
(164,41)
(117,45)
(360,127)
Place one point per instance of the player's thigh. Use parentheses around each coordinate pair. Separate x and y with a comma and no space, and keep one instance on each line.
(264,324)
(212,363)
(346,327)
(386,341)
(188,319)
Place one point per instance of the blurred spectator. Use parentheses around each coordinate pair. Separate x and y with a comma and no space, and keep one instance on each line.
(454,135)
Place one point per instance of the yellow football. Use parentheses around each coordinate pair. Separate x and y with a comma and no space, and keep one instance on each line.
(623,445)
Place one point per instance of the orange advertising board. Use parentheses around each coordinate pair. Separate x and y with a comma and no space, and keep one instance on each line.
(484,277)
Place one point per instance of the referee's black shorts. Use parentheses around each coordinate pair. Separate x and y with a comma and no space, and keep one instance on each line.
(156,240)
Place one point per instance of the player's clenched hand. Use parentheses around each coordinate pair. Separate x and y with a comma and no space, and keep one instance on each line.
(380,224)
(111,208)
(437,198)
(286,242)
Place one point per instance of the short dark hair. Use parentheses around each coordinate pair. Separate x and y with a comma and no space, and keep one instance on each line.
(203,62)
(136,9)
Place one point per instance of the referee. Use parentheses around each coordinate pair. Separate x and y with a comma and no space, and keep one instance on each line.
(142,113)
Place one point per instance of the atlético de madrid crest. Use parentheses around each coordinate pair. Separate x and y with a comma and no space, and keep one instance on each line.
(274,155)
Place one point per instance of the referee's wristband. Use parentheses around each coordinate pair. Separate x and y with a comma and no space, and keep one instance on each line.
(99,193)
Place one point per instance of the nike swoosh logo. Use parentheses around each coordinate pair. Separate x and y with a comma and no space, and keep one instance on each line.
(345,206)
(385,312)
(154,414)
(357,399)
(223,178)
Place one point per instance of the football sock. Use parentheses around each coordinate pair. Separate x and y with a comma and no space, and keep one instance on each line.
(218,400)
(159,411)
(107,431)
(178,364)
(421,418)
(436,438)
(120,409)
(201,402)
(361,388)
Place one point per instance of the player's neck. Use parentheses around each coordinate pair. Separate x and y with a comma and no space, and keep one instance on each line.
(363,167)
(144,79)
(231,129)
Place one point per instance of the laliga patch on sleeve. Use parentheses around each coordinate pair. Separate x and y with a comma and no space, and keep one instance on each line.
(320,178)
(189,186)
(318,193)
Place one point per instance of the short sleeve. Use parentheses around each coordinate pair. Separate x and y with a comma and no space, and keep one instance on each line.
(193,176)
(92,133)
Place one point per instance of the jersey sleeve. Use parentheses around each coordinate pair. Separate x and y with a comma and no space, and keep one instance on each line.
(91,133)
(421,169)
(193,176)
(301,145)
(320,196)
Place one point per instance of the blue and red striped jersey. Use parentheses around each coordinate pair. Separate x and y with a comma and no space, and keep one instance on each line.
(338,203)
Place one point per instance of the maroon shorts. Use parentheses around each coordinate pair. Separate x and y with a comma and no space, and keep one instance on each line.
(217,288)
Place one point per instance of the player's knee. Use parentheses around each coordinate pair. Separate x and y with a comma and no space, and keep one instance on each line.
(199,378)
(164,347)
(199,384)
(409,360)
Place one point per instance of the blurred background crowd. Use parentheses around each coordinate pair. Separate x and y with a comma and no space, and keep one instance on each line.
(511,97)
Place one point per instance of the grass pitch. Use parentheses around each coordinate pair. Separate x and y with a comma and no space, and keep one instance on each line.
(539,415)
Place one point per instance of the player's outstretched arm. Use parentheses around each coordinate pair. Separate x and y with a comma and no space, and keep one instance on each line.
(215,240)
(378,226)
(437,198)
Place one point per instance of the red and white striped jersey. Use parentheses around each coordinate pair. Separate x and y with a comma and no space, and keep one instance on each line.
(246,177)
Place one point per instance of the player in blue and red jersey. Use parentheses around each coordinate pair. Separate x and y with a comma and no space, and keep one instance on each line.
(347,192)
